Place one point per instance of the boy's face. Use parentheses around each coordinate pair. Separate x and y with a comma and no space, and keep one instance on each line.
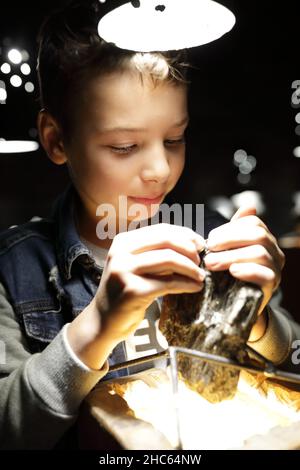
(128,141)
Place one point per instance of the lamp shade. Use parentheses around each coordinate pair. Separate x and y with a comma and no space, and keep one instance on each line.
(165,25)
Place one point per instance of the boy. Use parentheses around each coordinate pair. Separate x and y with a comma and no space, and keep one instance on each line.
(69,299)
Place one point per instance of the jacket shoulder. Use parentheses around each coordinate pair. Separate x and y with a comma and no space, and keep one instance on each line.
(41,229)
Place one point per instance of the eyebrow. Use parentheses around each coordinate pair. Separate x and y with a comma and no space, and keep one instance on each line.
(140,129)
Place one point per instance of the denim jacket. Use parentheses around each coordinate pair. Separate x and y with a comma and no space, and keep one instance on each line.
(50,275)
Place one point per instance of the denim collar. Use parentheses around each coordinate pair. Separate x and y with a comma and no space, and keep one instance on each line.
(68,244)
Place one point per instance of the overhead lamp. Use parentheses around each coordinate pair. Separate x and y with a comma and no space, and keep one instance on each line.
(162,25)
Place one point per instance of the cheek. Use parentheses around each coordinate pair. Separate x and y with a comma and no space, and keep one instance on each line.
(111,177)
(114,170)
(93,166)
(178,166)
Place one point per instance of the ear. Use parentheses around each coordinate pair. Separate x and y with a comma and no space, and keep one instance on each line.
(51,137)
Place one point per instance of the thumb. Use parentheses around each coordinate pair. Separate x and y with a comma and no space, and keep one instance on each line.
(243,212)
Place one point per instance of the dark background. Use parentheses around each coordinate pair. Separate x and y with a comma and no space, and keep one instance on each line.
(240,98)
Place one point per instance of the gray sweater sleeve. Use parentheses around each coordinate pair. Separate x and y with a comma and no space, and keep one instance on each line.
(280,341)
(40,394)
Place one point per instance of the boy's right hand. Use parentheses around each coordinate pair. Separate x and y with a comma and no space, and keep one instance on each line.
(141,265)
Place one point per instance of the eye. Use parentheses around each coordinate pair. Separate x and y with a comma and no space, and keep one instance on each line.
(122,150)
(174,142)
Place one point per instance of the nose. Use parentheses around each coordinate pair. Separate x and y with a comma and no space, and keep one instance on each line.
(156,165)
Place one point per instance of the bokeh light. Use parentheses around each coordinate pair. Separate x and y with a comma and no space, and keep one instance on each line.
(249,198)
(239,156)
(296,152)
(25,56)
(245,168)
(15,56)
(252,161)
(25,69)
(244,179)
(3,95)
(29,87)
(5,68)
(33,133)
(16,81)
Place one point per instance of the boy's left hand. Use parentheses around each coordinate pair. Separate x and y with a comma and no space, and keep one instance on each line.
(248,250)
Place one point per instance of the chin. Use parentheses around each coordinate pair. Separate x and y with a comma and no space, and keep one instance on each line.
(149,212)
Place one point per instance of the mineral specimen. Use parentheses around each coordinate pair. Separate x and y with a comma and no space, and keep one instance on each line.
(217,320)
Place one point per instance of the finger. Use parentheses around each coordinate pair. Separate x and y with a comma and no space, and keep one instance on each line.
(162,262)
(244,235)
(221,260)
(234,235)
(159,236)
(237,225)
(153,286)
(243,212)
(157,232)
(251,272)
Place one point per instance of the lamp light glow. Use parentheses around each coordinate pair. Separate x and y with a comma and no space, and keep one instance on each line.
(180,24)
(18,146)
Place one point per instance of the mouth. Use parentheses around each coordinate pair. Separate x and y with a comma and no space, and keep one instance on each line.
(147,200)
